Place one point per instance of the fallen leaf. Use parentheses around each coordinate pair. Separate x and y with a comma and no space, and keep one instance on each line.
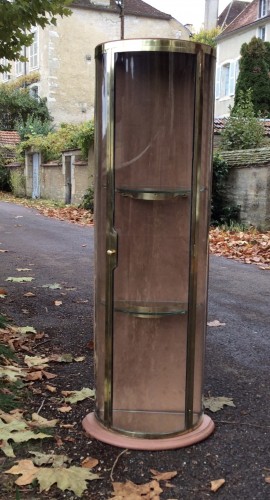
(215,485)
(53,286)
(11,373)
(64,409)
(267,479)
(163,476)
(79,359)
(61,358)
(7,449)
(58,303)
(41,422)
(216,404)
(23,269)
(29,294)
(3,251)
(50,388)
(36,375)
(129,490)
(3,291)
(72,478)
(52,459)
(17,431)
(76,396)
(32,361)
(215,323)
(48,375)
(20,280)
(89,463)
(26,329)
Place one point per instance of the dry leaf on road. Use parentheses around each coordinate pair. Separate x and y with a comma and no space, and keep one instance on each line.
(215,485)
(58,303)
(72,478)
(64,409)
(163,476)
(24,279)
(129,490)
(89,463)
(75,396)
(50,388)
(216,322)
(216,404)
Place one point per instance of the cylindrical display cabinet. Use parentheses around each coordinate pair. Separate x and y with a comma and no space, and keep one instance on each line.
(154,103)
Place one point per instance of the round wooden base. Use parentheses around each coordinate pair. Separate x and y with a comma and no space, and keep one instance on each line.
(97,431)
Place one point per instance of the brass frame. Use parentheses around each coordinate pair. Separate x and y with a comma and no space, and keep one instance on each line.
(109,50)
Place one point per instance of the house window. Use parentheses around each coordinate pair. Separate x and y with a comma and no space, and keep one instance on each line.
(6,76)
(262,8)
(19,65)
(33,51)
(226,78)
(261,33)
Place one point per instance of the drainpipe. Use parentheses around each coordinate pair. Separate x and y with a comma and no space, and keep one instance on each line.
(120,4)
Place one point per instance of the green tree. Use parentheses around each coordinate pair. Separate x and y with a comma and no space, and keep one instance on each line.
(16,20)
(243,129)
(207,36)
(17,105)
(254,69)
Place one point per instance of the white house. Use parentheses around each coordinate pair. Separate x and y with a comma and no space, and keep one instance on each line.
(254,20)
(61,58)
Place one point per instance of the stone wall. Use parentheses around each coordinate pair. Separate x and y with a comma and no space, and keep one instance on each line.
(65,181)
(249,185)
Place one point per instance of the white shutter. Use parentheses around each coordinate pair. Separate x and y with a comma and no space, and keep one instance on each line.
(218,71)
(232,78)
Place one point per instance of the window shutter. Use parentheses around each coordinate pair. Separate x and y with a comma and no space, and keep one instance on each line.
(232,78)
(218,70)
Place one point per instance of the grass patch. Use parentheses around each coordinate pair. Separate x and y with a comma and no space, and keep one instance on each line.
(11,395)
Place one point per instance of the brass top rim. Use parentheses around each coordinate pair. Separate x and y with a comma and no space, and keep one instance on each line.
(154,45)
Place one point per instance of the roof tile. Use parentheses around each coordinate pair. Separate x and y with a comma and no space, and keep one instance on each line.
(131,7)
(9,137)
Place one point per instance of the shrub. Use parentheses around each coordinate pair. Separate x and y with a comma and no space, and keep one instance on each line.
(68,136)
(242,130)
(88,200)
(33,126)
(221,212)
(4,174)
(17,105)
(254,74)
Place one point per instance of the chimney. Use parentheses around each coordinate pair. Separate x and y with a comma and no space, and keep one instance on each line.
(210,14)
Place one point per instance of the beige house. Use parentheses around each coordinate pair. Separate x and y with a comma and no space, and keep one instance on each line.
(254,20)
(64,55)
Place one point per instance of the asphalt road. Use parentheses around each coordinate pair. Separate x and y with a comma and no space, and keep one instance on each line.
(237,353)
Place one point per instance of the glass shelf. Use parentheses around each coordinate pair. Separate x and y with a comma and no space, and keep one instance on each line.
(150,309)
(152,193)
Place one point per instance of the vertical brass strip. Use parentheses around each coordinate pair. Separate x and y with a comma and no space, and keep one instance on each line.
(194,238)
(110,241)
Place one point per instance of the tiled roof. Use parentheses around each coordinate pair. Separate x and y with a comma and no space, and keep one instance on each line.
(230,12)
(220,122)
(9,137)
(248,16)
(246,157)
(131,7)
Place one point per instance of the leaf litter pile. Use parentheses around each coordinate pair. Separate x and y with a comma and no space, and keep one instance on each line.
(250,246)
